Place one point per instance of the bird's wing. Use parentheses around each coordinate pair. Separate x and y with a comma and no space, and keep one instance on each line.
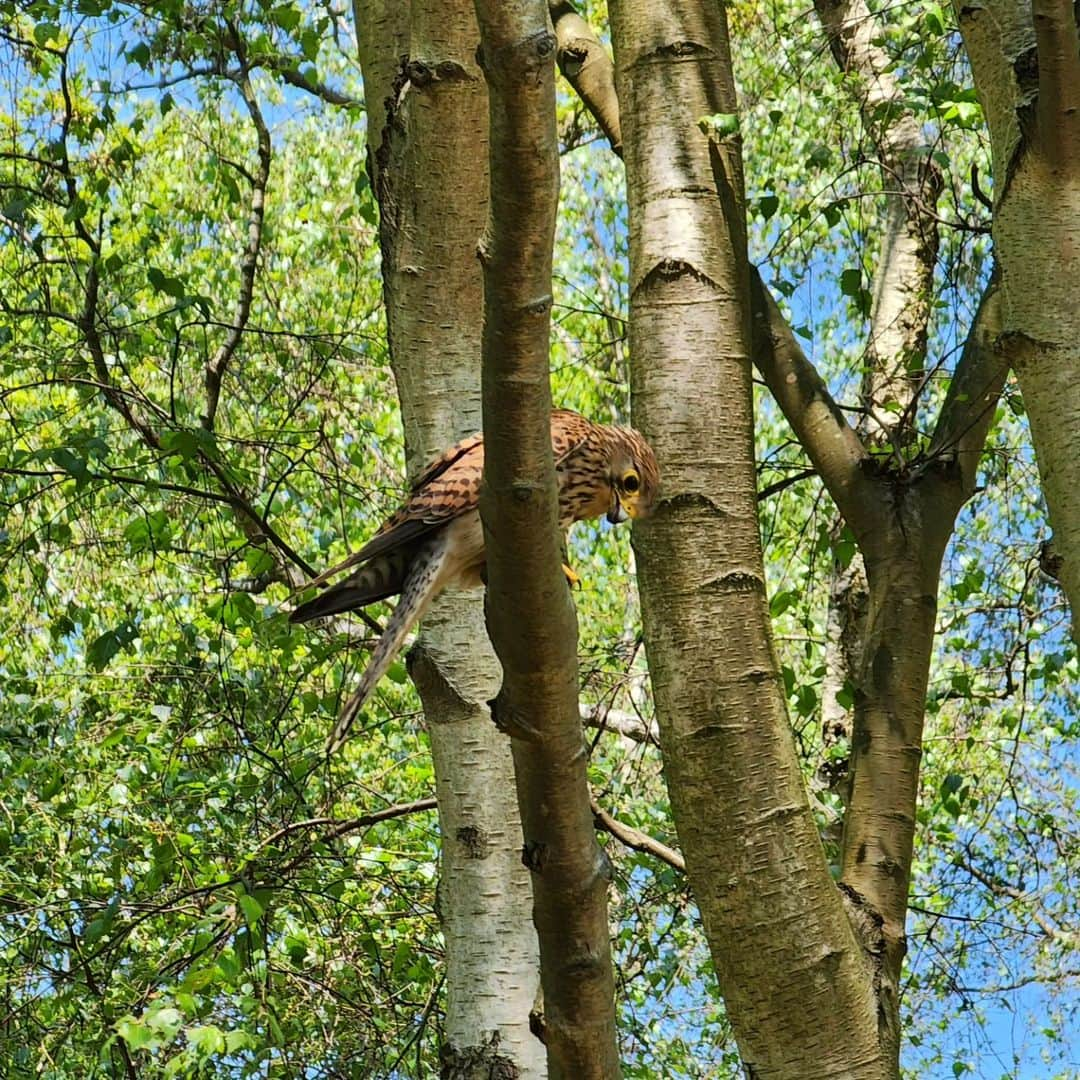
(447,458)
(448,487)
(568,431)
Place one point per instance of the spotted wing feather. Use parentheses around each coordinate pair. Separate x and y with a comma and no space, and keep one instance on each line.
(449,487)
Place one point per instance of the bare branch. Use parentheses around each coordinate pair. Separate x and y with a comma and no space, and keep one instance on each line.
(215,368)
(626,724)
(342,828)
(1059,79)
(831,443)
(585,64)
(976,385)
(636,839)
(782,485)
(286,68)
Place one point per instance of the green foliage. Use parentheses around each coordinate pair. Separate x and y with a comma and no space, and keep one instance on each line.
(189,887)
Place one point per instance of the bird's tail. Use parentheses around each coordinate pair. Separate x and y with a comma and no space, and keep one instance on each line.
(382,577)
(417,592)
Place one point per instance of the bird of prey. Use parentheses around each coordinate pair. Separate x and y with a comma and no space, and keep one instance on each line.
(435,539)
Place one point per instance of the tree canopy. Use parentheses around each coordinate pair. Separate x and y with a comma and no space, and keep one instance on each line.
(199,413)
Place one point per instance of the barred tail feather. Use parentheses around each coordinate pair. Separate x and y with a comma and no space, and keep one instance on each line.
(379,579)
(420,588)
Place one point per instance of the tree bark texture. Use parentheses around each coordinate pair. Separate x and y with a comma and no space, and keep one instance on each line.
(530,612)
(1026,62)
(796,984)
(429,169)
(585,64)
(902,517)
(902,288)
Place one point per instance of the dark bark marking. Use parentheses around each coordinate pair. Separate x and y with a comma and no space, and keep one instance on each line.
(533,853)
(692,500)
(517,61)
(1051,561)
(541,306)
(882,666)
(681,50)
(510,722)
(860,856)
(738,581)
(475,841)
(860,736)
(537,1025)
(421,74)
(668,270)
(482,1059)
(1026,70)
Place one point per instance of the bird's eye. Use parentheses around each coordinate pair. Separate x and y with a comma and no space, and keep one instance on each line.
(631,482)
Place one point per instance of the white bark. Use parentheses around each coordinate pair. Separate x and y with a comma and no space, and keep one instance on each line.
(429,157)
(1027,72)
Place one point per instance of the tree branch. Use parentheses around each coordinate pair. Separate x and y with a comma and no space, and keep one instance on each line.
(976,385)
(1059,79)
(636,839)
(342,828)
(831,443)
(586,66)
(215,369)
(622,723)
(530,613)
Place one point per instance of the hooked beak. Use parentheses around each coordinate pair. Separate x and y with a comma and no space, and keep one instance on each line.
(616,512)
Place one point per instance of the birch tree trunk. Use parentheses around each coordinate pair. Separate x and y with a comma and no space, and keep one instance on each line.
(895,357)
(811,989)
(1026,61)
(531,615)
(427,111)
(902,516)
(795,982)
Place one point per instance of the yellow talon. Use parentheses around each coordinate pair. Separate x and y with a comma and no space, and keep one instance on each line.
(572,579)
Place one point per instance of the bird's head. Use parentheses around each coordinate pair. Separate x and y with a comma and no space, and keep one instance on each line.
(634,476)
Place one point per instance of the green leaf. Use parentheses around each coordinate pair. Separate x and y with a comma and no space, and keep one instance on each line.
(286,16)
(719,126)
(46,33)
(851,281)
(768,205)
(258,561)
(71,463)
(845,696)
(135,1033)
(151,532)
(161,282)
(252,909)
(102,649)
(781,601)
(833,212)
(951,784)
(140,54)
(206,1039)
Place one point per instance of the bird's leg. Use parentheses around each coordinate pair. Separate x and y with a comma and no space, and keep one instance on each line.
(572,579)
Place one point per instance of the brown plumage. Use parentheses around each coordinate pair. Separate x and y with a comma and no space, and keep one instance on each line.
(435,539)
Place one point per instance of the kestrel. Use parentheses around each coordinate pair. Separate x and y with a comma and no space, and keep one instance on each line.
(435,540)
